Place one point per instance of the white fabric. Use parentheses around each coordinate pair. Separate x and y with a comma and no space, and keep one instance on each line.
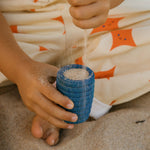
(131,6)
(99,108)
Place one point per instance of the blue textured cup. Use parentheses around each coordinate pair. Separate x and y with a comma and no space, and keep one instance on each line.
(81,92)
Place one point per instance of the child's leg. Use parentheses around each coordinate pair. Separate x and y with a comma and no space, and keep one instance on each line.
(120,60)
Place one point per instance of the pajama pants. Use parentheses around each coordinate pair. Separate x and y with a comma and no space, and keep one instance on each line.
(118,51)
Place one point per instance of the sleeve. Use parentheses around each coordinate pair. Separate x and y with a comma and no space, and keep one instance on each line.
(131,6)
(99,109)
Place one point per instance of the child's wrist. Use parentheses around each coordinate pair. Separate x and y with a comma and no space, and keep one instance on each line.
(21,70)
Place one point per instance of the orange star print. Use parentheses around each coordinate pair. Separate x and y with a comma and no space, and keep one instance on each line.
(14,28)
(43,48)
(122,37)
(33,10)
(79,61)
(113,102)
(110,24)
(105,74)
(101,74)
(60,18)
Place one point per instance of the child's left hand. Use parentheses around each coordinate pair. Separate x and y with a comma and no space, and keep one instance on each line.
(89,13)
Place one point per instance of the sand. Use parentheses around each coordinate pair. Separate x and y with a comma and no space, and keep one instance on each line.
(76,74)
(126,127)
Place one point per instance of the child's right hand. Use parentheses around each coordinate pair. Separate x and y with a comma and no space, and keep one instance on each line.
(32,79)
(40,96)
(91,13)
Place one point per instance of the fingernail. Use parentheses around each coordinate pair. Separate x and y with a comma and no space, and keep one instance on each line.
(52,142)
(74,118)
(70,126)
(70,106)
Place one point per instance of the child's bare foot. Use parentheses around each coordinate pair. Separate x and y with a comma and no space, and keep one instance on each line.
(43,129)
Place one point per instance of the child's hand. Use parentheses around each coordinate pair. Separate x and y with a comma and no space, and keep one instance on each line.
(33,80)
(91,13)
(40,96)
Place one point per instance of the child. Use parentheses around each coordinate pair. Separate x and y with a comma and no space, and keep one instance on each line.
(43,36)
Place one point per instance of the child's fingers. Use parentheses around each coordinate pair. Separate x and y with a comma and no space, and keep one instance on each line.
(90,23)
(52,94)
(80,2)
(56,122)
(53,109)
(81,13)
(91,15)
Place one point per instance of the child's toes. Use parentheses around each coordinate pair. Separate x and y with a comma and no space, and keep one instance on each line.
(53,137)
(36,129)
(46,131)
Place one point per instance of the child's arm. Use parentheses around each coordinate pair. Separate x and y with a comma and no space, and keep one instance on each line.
(91,13)
(32,79)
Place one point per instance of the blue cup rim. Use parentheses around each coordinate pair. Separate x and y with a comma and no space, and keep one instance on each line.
(69,82)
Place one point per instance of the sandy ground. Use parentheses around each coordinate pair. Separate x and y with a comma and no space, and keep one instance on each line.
(125,127)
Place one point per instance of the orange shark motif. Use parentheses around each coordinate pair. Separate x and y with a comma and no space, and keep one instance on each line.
(122,37)
(110,24)
(101,74)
